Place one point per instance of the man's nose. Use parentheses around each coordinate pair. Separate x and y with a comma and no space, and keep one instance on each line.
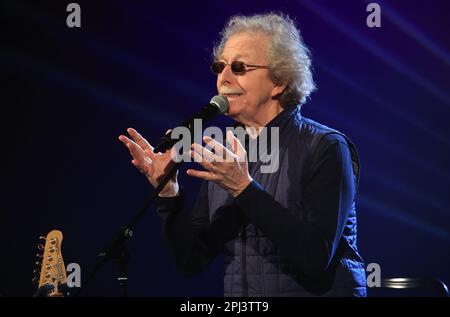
(226,76)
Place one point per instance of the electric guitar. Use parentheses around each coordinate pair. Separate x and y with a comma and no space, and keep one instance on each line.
(50,273)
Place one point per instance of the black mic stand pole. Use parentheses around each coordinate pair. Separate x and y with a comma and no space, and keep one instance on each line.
(116,249)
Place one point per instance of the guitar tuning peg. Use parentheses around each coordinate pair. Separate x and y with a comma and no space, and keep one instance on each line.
(38,264)
(39,256)
(35,275)
(40,247)
(42,238)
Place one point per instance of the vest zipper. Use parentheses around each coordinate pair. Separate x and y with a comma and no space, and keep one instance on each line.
(244,263)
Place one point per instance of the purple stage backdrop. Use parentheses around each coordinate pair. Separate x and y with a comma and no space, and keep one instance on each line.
(68,93)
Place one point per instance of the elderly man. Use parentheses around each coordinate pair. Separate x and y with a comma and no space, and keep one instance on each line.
(290,232)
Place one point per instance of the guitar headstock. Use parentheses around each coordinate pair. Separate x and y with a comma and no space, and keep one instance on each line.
(52,272)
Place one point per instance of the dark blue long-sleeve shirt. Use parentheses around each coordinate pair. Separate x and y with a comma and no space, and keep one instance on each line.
(292,232)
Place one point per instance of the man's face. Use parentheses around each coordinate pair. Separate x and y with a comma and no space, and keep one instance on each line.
(252,92)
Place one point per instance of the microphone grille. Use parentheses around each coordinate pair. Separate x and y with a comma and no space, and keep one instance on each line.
(221,102)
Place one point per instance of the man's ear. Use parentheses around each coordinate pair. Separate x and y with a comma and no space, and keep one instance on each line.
(277,91)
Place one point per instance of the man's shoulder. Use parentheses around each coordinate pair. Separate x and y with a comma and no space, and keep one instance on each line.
(311,133)
(308,129)
(320,137)
(308,126)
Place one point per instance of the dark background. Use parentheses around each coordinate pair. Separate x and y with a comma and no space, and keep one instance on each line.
(68,93)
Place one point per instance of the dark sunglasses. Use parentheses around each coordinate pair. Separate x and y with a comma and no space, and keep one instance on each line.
(237,67)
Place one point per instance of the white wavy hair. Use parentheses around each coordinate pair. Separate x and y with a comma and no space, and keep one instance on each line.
(288,57)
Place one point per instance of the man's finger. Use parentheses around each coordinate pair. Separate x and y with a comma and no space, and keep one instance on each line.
(135,150)
(137,137)
(128,143)
(237,147)
(145,166)
(219,149)
(231,140)
(139,166)
(204,153)
(124,139)
(199,159)
(201,174)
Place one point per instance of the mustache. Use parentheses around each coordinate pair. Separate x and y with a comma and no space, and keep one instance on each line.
(225,90)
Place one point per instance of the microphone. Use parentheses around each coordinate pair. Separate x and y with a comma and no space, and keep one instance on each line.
(217,105)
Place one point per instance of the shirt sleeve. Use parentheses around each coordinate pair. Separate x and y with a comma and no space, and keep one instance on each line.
(327,199)
(187,238)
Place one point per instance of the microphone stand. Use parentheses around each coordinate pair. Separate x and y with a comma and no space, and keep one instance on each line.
(116,248)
